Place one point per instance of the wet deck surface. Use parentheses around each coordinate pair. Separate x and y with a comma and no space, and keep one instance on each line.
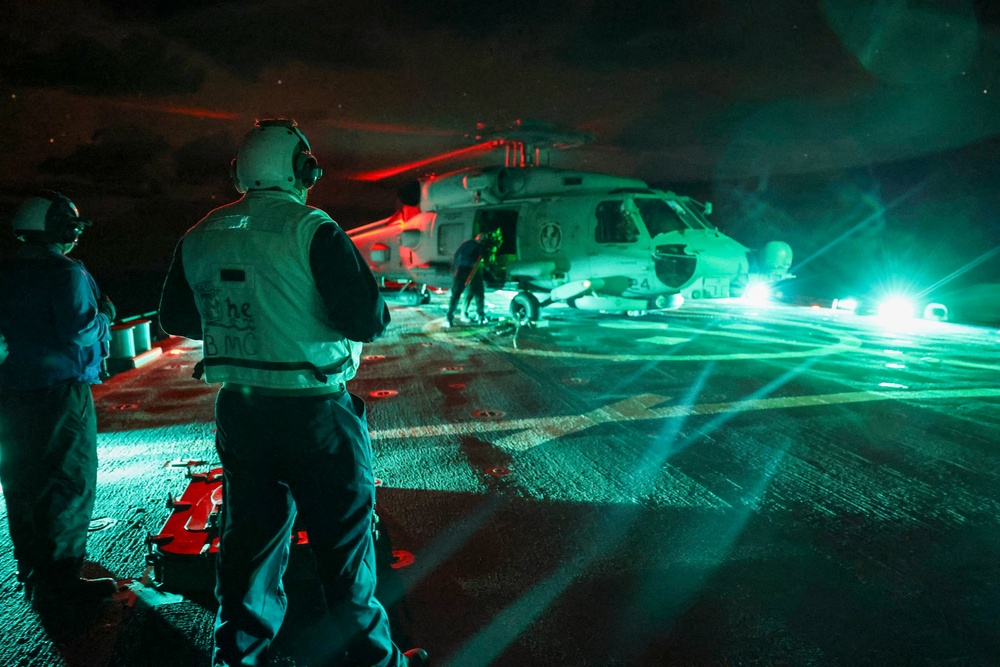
(717,485)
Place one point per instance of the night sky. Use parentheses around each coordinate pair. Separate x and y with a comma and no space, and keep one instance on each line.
(863,132)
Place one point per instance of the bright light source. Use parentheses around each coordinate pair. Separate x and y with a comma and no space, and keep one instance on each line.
(758,292)
(895,309)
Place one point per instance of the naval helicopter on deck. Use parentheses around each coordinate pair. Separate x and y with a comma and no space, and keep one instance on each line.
(593,241)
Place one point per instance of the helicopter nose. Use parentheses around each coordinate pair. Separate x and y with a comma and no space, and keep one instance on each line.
(717,260)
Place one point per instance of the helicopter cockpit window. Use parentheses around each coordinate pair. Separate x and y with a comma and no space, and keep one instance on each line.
(614,225)
(660,216)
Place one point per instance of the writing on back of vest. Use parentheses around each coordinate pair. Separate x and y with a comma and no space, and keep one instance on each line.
(229,325)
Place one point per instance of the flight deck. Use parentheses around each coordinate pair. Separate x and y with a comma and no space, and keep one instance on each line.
(721,484)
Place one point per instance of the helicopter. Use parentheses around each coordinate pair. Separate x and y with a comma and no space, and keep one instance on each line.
(593,241)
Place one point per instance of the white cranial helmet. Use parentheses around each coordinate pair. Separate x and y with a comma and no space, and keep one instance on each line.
(49,218)
(275,154)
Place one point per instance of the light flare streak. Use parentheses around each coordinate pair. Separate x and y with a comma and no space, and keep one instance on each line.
(986,256)
(388,172)
(860,225)
(194,112)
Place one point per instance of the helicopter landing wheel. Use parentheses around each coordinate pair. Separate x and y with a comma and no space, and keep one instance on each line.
(415,296)
(524,307)
(667,302)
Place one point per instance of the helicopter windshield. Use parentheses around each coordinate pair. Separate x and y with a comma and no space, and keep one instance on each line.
(614,224)
(663,216)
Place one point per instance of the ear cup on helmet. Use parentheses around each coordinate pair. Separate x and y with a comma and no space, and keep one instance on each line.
(275,155)
(63,220)
(307,169)
(71,232)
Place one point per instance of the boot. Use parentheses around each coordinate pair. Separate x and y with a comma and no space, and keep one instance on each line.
(59,584)
(49,594)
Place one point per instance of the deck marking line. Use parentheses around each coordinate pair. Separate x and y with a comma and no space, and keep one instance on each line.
(530,433)
(845,343)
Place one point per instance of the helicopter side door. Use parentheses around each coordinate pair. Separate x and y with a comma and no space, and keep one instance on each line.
(490,220)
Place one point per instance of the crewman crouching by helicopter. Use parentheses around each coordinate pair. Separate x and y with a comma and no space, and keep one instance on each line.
(468,266)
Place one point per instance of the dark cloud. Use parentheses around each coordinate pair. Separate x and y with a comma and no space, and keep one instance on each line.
(205,161)
(119,160)
(139,10)
(254,36)
(138,64)
(473,18)
(247,37)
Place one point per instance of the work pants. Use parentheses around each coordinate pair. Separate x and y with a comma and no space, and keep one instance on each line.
(48,469)
(475,286)
(281,455)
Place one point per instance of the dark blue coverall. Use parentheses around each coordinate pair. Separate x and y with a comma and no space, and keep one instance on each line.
(57,338)
(465,263)
(308,454)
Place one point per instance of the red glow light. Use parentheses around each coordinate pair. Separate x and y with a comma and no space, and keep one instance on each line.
(203,113)
(383,393)
(184,111)
(379,174)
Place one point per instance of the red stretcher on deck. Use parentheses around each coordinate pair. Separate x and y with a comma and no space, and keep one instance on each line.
(183,552)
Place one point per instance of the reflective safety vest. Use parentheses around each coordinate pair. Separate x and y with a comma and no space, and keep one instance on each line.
(264,322)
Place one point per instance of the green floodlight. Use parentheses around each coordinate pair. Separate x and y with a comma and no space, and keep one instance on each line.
(757,292)
(896,309)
